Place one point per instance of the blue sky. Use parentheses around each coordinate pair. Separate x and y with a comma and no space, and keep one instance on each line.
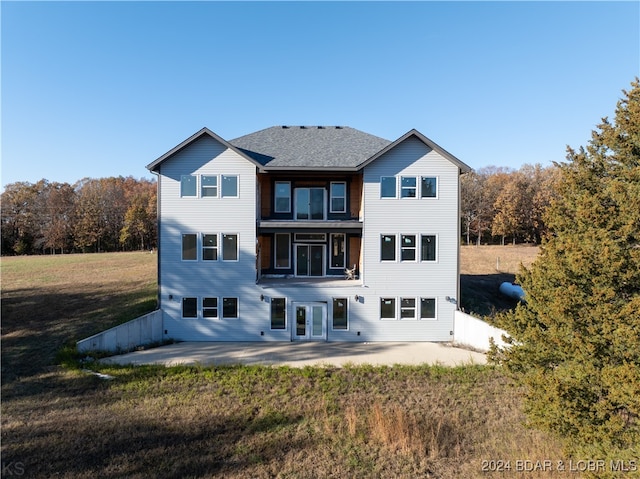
(96,89)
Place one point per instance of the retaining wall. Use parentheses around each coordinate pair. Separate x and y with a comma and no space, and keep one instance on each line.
(473,332)
(124,337)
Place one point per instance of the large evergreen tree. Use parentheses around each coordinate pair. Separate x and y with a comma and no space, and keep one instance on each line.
(576,340)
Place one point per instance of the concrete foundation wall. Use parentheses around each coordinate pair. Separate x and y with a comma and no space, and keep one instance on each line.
(473,332)
(140,331)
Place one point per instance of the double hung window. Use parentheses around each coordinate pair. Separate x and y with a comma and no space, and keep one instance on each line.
(408,187)
(209,307)
(338,202)
(210,247)
(407,247)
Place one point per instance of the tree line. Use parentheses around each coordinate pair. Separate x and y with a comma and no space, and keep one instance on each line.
(119,214)
(503,204)
(92,215)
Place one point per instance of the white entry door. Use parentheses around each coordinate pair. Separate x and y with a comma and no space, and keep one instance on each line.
(311,322)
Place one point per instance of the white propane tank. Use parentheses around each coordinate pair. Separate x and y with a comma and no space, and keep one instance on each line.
(513,291)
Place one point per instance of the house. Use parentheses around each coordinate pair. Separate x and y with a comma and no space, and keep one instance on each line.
(302,233)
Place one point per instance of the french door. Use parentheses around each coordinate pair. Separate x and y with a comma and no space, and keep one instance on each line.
(309,259)
(310,203)
(311,322)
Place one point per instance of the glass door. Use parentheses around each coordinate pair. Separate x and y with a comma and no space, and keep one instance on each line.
(311,322)
(310,260)
(310,204)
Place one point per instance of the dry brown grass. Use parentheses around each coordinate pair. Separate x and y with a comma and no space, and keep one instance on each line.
(483,269)
(237,422)
(490,259)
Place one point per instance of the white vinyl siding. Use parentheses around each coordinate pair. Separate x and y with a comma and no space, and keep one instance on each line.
(404,218)
(220,215)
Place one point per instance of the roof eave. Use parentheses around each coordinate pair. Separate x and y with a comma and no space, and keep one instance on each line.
(153,166)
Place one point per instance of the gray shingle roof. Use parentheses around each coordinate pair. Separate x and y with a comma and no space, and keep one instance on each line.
(310,147)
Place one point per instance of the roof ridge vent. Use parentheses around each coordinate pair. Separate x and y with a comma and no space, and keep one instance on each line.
(338,128)
(285,127)
(303,127)
(320,127)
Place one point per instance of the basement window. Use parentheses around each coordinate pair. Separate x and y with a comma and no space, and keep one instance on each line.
(189,307)
(387,308)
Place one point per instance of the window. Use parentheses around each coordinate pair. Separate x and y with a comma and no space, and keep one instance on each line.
(189,247)
(387,248)
(229,186)
(387,187)
(429,187)
(283,197)
(407,308)
(408,187)
(338,197)
(188,185)
(189,307)
(229,247)
(209,307)
(339,309)
(428,250)
(229,308)
(308,237)
(283,250)
(387,308)
(407,247)
(209,247)
(337,250)
(310,203)
(427,308)
(209,185)
(278,315)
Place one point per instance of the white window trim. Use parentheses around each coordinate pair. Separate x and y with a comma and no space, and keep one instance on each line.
(197,186)
(222,235)
(395,308)
(437,187)
(430,261)
(237,316)
(395,249)
(416,304)
(203,187)
(182,235)
(275,197)
(324,202)
(395,178)
(203,247)
(217,316)
(348,311)
(416,247)
(182,316)
(298,239)
(286,316)
(416,188)
(275,250)
(344,252)
(419,308)
(332,196)
(237,177)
